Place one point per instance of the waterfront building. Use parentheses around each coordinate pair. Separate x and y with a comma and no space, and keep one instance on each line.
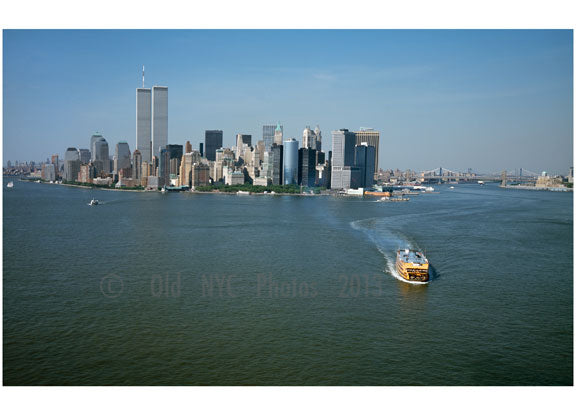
(86,173)
(152,182)
(364,160)
(85,155)
(278,135)
(277,156)
(261,181)
(107,181)
(159,119)
(291,161)
(323,175)
(343,144)
(372,137)
(307,167)
(48,172)
(122,156)
(144,173)
(213,141)
(200,175)
(71,164)
(232,177)
(144,123)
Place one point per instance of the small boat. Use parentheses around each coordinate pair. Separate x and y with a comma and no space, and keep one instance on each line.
(451,187)
(163,189)
(481,182)
(10,184)
(242,192)
(412,265)
(94,202)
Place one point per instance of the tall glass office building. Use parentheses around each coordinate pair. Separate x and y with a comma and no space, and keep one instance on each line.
(213,141)
(144,122)
(291,161)
(159,119)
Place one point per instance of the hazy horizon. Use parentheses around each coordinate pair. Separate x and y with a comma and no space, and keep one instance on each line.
(480,99)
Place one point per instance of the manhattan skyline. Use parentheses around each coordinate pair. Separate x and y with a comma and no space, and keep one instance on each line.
(485,100)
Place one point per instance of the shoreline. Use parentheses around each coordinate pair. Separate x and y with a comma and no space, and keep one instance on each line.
(184,192)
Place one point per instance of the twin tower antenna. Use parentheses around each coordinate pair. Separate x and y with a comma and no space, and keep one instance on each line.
(142,76)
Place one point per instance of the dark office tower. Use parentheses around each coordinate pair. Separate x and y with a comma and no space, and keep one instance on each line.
(164,168)
(277,164)
(307,167)
(364,159)
(320,157)
(175,157)
(188,147)
(213,140)
(201,149)
(372,138)
(84,155)
(71,164)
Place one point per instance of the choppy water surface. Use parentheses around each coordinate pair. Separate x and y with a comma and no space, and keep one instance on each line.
(183,289)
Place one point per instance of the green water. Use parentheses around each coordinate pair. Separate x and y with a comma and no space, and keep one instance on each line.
(183,289)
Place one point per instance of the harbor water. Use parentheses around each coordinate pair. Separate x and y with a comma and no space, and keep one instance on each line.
(205,289)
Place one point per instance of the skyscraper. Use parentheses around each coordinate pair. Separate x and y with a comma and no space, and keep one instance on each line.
(164,168)
(364,160)
(243,139)
(187,147)
(122,156)
(201,148)
(277,153)
(175,157)
(307,167)
(101,157)
(268,136)
(85,155)
(278,135)
(372,138)
(71,164)
(291,161)
(159,119)
(213,140)
(312,139)
(144,122)
(344,174)
(95,137)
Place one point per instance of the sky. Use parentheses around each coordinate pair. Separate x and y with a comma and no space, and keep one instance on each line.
(486,100)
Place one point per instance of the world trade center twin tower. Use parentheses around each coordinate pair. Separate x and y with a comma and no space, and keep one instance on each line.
(151,121)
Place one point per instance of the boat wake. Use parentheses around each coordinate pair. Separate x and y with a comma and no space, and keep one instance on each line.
(387,240)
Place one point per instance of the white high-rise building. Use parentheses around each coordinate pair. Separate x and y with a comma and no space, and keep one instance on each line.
(144,123)
(159,119)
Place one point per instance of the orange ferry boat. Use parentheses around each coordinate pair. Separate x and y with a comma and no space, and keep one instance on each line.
(412,265)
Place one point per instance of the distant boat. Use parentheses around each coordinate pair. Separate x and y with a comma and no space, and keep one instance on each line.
(163,189)
(481,182)
(94,202)
(242,192)
(451,187)
(10,184)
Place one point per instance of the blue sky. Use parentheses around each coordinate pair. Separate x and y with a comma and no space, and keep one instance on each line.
(487,100)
